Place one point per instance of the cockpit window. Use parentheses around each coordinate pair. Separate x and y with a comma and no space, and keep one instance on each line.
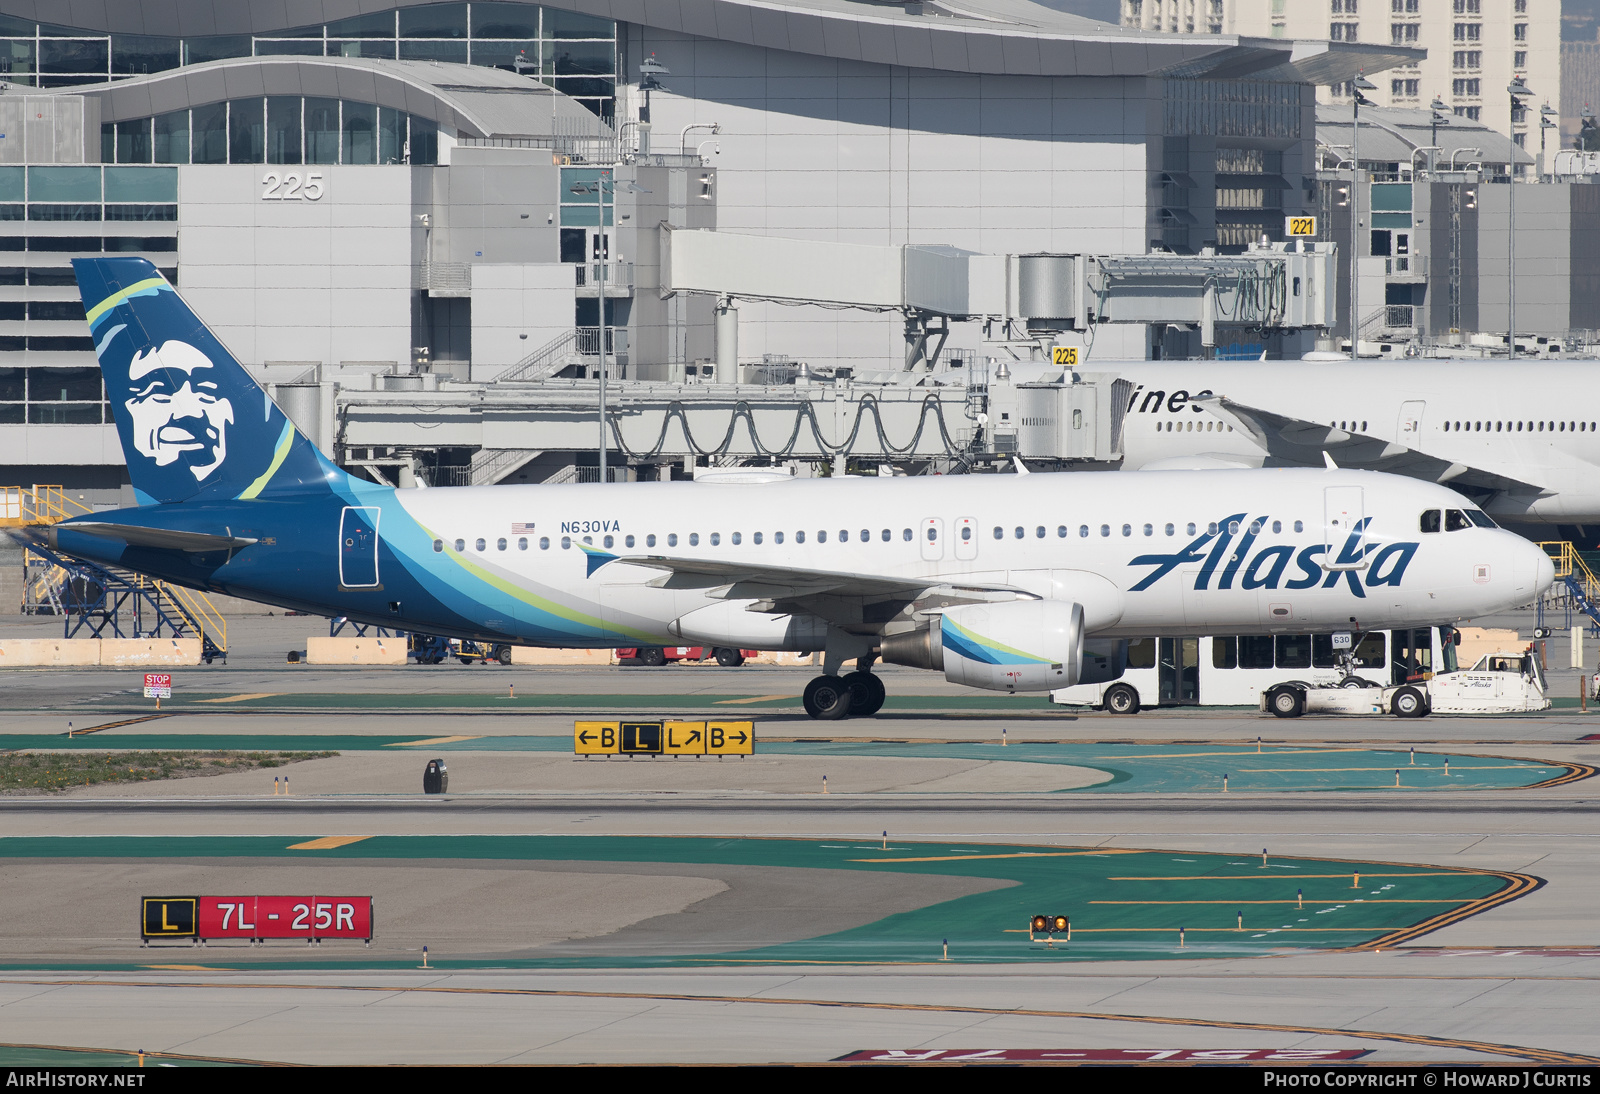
(1455,520)
(1430,520)
(1480,518)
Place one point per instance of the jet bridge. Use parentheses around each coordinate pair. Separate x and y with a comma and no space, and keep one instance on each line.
(1269,287)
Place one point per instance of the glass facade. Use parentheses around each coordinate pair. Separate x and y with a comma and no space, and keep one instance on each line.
(279,129)
(573,53)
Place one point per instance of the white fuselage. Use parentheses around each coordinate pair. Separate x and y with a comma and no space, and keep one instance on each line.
(1146,554)
(1534,422)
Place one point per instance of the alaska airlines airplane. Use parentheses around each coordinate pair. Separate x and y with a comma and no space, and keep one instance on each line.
(1508,436)
(1008,582)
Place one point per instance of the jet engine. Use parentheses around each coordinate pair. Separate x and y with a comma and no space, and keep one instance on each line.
(1020,645)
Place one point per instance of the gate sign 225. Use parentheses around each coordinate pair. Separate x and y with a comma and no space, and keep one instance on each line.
(311,917)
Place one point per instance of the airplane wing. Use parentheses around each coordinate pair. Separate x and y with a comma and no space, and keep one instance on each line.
(1297,441)
(833,595)
(135,536)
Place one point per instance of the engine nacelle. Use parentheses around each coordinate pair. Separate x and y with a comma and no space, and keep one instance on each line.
(1020,645)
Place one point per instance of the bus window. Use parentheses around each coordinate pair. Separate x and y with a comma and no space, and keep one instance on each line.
(1322,655)
(1142,653)
(1430,520)
(1224,653)
(1255,651)
(1447,649)
(1369,654)
(1294,651)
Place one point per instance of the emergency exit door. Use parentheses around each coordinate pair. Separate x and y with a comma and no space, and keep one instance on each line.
(358,547)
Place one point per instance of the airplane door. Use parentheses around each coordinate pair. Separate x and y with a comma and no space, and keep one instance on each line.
(966,536)
(1410,425)
(1343,509)
(931,535)
(358,547)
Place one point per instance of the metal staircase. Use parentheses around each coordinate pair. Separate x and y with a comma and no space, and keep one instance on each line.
(97,601)
(545,361)
(104,601)
(1581,584)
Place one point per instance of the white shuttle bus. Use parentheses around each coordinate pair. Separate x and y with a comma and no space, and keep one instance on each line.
(1236,670)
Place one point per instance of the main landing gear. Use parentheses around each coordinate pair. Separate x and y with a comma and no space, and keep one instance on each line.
(858,694)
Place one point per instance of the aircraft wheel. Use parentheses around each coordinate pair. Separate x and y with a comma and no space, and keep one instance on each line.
(729,659)
(1408,703)
(867,694)
(828,698)
(654,656)
(1121,699)
(1286,702)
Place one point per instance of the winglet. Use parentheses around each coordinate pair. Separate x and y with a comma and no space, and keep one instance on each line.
(1327,459)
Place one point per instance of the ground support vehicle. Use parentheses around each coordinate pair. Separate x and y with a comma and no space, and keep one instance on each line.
(661,655)
(1499,683)
(430,649)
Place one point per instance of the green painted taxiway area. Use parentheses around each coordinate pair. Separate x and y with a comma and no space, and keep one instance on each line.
(1132,768)
(1122,904)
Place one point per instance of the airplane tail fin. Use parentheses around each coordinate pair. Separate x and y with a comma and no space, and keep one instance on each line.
(194,424)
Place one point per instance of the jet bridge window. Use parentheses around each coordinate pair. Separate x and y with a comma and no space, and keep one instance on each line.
(1430,520)
(1456,521)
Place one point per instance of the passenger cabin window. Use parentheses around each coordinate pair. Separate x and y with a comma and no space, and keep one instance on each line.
(544,543)
(650,540)
(500,544)
(1430,520)
(672,539)
(522,544)
(1455,520)
(694,539)
(481,545)
(461,545)
(999,532)
(716,539)
(777,537)
(438,545)
(628,542)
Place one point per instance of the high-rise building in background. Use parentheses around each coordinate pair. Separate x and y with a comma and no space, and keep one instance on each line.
(1475,47)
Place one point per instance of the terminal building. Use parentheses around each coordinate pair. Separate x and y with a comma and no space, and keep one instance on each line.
(432,195)
(431,227)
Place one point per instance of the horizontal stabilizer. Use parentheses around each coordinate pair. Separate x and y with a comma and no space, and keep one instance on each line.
(137,536)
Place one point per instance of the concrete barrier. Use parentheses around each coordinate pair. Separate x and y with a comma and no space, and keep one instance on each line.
(149,651)
(1477,641)
(36,652)
(322,650)
(537,655)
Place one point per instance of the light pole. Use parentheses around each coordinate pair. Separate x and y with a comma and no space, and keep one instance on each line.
(1546,113)
(1517,90)
(1357,86)
(598,188)
(1440,117)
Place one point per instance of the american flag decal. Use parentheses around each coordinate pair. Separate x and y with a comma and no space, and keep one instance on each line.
(520,529)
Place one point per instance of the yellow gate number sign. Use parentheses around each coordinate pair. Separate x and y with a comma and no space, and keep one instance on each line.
(1064,355)
(665,738)
(1299,226)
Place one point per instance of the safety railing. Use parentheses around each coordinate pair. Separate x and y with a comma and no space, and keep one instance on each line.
(198,611)
(22,506)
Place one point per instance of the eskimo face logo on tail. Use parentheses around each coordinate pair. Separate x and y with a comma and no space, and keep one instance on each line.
(178,415)
(1223,554)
